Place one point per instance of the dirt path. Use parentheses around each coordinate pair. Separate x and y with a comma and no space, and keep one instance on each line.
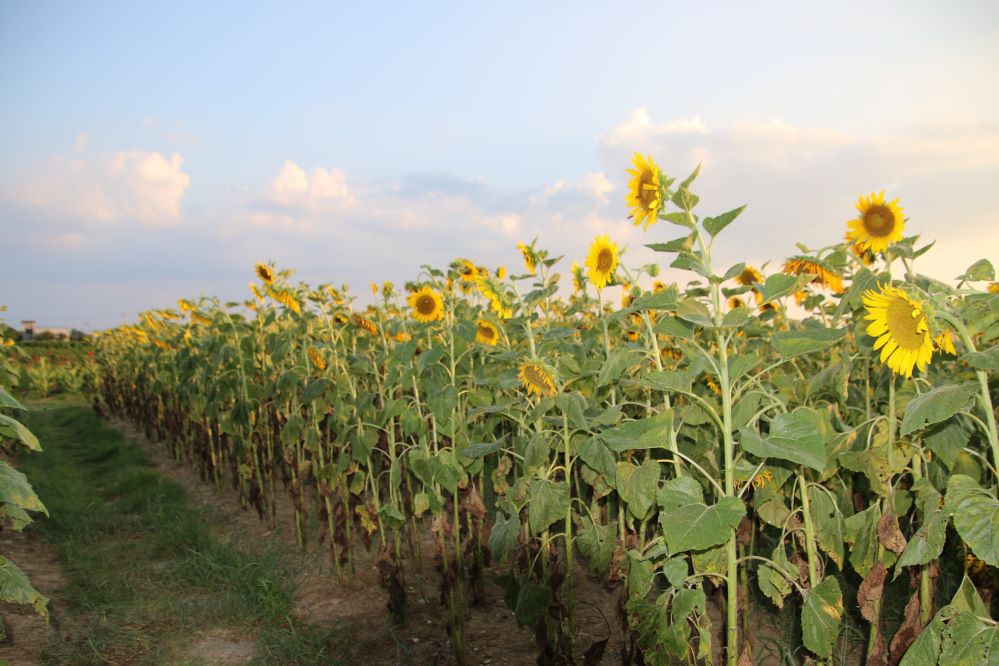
(493,635)
(27,632)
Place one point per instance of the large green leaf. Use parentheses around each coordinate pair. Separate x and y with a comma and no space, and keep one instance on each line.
(714,225)
(796,343)
(598,456)
(828,522)
(936,405)
(9,401)
(504,535)
(822,609)
(808,451)
(928,541)
(16,589)
(637,485)
(983,360)
(549,502)
(648,433)
(15,490)
(976,517)
(779,285)
(14,429)
(698,526)
(596,543)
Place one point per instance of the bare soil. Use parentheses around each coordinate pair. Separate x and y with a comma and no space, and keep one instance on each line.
(27,632)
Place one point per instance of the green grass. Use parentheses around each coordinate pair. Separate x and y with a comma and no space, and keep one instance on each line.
(145,576)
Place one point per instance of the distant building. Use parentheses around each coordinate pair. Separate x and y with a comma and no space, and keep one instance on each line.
(32,332)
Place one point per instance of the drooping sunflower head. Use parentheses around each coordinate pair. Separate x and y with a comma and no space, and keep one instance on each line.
(658,286)
(265,273)
(501,273)
(536,378)
(824,276)
(749,277)
(427,305)
(879,224)
(736,302)
(366,324)
(317,358)
(287,299)
(578,278)
(601,261)
(644,198)
(530,259)
(499,301)
(901,330)
(256,292)
(486,333)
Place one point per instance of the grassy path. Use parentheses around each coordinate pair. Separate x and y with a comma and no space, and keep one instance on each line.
(147,582)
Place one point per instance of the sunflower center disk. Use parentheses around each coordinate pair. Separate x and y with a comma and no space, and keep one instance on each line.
(425,305)
(604,260)
(647,190)
(906,329)
(879,221)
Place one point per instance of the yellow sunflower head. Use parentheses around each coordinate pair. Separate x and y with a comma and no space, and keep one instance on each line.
(644,198)
(427,305)
(256,292)
(317,358)
(944,342)
(578,278)
(601,261)
(374,288)
(501,273)
(631,335)
(486,333)
(536,379)
(712,384)
(530,259)
(366,324)
(824,276)
(879,224)
(736,302)
(287,299)
(467,270)
(994,288)
(749,277)
(402,336)
(900,328)
(658,286)
(672,353)
(265,273)
(801,296)
(499,302)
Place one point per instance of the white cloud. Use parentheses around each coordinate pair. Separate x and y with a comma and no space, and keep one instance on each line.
(323,190)
(146,187)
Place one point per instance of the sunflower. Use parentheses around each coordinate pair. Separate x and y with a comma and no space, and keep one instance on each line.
(994,288)
(866,256)
(578,278)
(185,305)
(712,384)
(658,286)
(601,261)
(498,303)
(944,342)
(287,299)
(901,329)
(486,333)
(256,292)
(340,318)
(536,379)
(427,305)
(749,277)
(824,276)
(671,352)
(632,335)
(644,197)
(265,273)
(317,358)
(735,302)
(529,259)
(879,225)
(366,324)
(467,270)
(501,273)
(199,318)
(801,296)
(402,336)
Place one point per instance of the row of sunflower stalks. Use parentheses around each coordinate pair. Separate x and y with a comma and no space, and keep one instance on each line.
(796,442)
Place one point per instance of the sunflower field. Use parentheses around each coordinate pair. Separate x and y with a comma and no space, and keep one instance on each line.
(820,439)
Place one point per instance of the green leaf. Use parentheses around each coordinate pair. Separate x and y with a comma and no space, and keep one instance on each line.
(532,603)
(16,589)
(698,526)
(678,492)
(946,440)
(976,517)
(595,453)
(662,300)
(980,271)
(674,327)
(695,312)
(549,501)
(676,571)
(983,360)
(479,450)
(648,433)
(637,485)
(862,535)
(15,490)
(504,535)
(796,343)
(928,541)
(14,429)
(936,405)
(10,402)
(596,543)
(808,451)
(612,368)
(779,285)
(675,245)
(822,609)
(573,404)
(969,641)
(828,522)
(640,574)
(315,388)
(714,225)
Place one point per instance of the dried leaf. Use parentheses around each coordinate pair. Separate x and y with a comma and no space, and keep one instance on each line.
(906,634)
(888,533)
(871,590)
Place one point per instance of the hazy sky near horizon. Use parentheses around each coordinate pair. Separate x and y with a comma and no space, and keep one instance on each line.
(153,151)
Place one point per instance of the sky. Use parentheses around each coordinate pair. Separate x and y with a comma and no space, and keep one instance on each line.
(155,151)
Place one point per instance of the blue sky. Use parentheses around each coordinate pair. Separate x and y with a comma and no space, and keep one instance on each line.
(158,150)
